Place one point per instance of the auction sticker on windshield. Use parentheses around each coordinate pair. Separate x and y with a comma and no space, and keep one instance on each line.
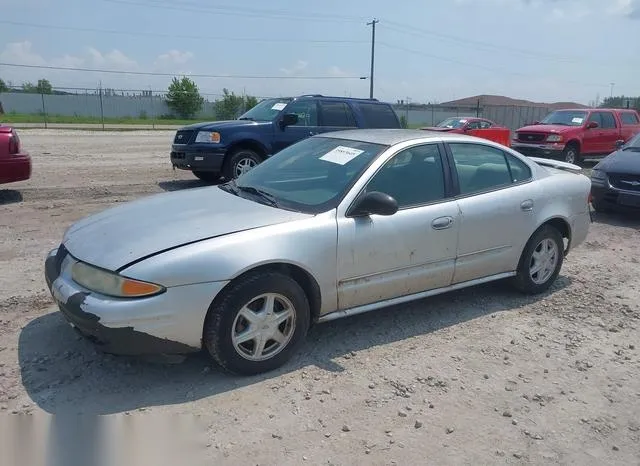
(577,120)
(279,106)
(341,155)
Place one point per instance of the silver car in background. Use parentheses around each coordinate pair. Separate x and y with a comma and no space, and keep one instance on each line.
(335,225)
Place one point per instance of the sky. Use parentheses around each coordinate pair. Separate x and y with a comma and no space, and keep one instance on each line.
(426,51)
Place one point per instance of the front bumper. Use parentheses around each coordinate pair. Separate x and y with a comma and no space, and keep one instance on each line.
(549,151)
(198,158)
(170,323)
(15,168)
(610,197)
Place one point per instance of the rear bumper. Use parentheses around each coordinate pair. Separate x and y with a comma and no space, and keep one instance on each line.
(15,168)
(609,197)
(539,150)
(205,159)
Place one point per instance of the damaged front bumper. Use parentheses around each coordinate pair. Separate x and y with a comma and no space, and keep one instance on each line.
(170,323)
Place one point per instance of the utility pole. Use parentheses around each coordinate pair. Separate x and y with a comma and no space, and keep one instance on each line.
(373,53)
(612,84)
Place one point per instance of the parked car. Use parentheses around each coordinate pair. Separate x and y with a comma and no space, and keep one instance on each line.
(15,164)
(462,124)
(231,148)
(574,134)
(615,180)
(473,126)
(335,225)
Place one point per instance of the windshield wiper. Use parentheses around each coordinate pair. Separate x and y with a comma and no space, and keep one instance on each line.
(632,148)
(247,118)
(270,198)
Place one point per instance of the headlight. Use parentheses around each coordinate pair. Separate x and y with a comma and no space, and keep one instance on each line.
(111,284)
(554,138)
(208,136)
(598,175)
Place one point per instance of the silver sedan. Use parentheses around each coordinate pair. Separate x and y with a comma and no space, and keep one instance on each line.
(335,225)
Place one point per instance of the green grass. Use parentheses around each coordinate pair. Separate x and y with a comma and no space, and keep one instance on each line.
(31,118)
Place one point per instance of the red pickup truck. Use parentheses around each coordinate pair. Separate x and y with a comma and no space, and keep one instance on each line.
(574,134)
(15,165)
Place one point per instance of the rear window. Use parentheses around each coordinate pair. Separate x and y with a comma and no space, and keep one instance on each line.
(629,118)
(378,116)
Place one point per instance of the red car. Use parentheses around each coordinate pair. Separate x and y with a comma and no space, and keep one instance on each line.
(462,124)
(15,165)
(574,134)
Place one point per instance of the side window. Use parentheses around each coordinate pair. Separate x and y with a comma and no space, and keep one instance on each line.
(412,177)
(597,117)
(474,125)
(378,116)
(520,171)
(629,118)
(480,168)
(608,120)
(337,114)
(306,110)
(485,124)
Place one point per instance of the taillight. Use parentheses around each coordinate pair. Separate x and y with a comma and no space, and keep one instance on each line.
(14,143)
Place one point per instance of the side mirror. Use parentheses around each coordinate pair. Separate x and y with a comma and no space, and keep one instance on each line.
(592,124)
(619,144)
(536,122)
(374,203)
(289,119)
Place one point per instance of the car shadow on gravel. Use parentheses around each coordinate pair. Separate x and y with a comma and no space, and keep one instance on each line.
(178,185)
(64,374)
(10,196)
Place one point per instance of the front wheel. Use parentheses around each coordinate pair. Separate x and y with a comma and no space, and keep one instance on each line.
(258,323)
(240,162)
(571,154)
(541,261)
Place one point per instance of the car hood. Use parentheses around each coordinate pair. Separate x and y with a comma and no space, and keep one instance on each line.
(546,129)
(118,236)
(217,125)
(440,129)
(622,161)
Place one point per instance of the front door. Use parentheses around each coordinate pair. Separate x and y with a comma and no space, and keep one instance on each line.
(591,140)
(380,257)
(307,111)
(497,204)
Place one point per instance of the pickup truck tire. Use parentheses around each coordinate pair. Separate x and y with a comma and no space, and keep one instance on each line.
(238,162)
(209,177)
(571,154)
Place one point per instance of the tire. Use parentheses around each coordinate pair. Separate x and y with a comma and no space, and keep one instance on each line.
(239,162)
(547,238)
(209,177)
(227,334)
(571,154)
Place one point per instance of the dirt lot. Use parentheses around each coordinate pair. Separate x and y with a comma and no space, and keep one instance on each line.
(482,376)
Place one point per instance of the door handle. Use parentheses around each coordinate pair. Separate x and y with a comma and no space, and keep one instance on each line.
(442,223)
(311,133)
(527,205)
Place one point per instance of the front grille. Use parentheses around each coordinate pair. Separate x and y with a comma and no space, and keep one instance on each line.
(183,136)
(626,182)
(531,137)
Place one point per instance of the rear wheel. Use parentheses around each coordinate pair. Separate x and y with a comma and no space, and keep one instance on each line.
(209,177)
(541,261)
(571,154)
(258,324)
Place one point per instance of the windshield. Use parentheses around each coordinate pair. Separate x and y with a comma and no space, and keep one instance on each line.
(310,176)
(266,110)
(452,123)
(633,144)
(565,118)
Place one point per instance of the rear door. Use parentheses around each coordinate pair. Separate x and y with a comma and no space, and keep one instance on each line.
(630,124)
(307,111)
(336,116)
(377,115)
(497,203)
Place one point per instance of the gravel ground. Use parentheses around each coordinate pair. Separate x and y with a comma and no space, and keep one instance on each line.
(481,376)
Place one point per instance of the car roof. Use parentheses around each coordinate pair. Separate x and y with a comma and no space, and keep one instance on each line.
(390,137)
(338,98)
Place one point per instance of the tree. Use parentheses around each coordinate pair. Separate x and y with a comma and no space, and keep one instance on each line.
(232,106)
(183,97)
(28,88)
(621,102)
(44,87)
(3,86)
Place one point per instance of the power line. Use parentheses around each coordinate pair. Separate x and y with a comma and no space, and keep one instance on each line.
(180,36)
(475,65)
(151,73)
(235,11)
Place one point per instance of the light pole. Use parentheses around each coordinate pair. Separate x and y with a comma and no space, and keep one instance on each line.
(373,53)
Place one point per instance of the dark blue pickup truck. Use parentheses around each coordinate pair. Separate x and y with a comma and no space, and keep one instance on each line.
(230,148)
